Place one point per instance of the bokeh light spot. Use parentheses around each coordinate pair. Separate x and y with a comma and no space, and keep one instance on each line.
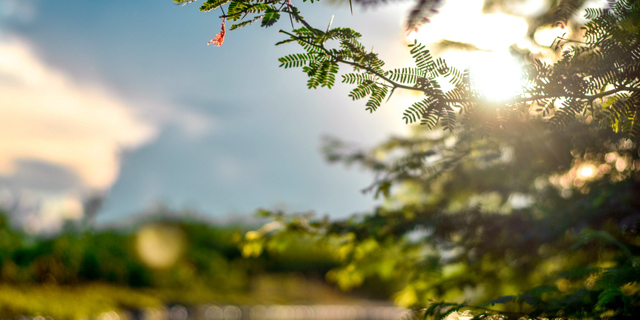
(160,246)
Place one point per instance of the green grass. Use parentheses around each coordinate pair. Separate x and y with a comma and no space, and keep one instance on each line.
(90,300)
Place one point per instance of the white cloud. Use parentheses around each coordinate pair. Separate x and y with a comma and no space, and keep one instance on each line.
(53,212)
(47,117)
(50,118)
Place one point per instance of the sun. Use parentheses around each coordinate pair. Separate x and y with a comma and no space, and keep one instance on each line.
(494,72)
(497,75)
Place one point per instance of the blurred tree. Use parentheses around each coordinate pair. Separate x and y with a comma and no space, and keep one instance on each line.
(513,217)
(525,207)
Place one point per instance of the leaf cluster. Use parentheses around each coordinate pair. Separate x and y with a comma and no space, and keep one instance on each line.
(597,78)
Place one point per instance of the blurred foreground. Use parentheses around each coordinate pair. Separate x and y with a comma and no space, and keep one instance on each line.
(162,265)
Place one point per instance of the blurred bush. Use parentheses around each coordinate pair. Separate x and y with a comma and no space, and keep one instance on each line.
(161,261)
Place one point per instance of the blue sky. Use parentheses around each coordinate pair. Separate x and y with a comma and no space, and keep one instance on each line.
(125,99)
(219,130)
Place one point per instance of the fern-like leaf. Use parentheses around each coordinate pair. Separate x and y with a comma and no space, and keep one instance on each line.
(364,89)
(357,78)
(378,94)
(422,57)
(405,75)
(212,4)
(295,60)
(246,23)
(270,17)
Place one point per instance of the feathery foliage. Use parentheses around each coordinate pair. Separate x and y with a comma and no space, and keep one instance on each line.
(579,85)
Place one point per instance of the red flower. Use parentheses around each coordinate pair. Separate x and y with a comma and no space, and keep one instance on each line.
(219,38)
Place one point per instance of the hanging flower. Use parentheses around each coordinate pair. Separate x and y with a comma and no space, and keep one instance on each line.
(219,38)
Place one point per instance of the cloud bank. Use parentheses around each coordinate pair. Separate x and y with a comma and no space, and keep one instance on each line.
(47,117)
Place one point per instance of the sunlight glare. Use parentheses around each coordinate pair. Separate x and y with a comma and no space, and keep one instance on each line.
(527,8)
(546,36)
(496,75)
(463,21)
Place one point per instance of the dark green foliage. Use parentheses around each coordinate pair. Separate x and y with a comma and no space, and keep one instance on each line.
(212,258)
(72,259)
(572,256)
(610,58)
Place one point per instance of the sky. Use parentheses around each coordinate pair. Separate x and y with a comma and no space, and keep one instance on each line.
(124,99)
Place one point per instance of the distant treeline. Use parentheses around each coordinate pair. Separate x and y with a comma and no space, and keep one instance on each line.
(211,256)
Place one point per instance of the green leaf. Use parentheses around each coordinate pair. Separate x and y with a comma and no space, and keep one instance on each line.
(257,8)
(270,18)
(422,109)
(235,10)
(405,75)
(212,4)
(245,23)
(377,95)
(422,57)
(296,60)
(529,299)
(357,78)
(365,88)
(607,296)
